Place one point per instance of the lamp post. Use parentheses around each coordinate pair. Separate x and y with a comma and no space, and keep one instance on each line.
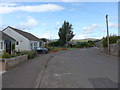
(107,34)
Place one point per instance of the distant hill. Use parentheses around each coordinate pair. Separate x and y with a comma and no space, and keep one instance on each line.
(84,40)
(79,40)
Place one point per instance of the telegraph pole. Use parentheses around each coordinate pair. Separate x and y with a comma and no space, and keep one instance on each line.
(66,39)
(107,34)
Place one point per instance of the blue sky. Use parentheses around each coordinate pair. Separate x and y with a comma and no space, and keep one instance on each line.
(44,19)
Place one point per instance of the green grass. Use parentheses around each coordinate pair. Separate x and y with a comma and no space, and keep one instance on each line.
(0,56)
(60,48)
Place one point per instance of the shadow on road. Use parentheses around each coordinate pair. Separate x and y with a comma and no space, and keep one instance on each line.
(103,83)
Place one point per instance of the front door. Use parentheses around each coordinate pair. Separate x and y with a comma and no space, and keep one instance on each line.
(8,46)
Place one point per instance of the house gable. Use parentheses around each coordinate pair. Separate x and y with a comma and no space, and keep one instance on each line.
(5,36)
(23,42)
(29,36)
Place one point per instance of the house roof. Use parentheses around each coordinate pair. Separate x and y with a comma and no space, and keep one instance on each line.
(5,36)
(25,34)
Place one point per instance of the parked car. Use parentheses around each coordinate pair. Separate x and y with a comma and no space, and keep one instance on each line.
(42,50)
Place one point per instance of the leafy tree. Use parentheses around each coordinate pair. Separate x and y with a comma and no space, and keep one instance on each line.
(91,43)
(44,39)
(65,33)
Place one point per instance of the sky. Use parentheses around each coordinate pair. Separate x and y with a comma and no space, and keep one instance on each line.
(43,19)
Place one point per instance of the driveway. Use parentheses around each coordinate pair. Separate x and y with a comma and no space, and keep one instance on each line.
(81,68)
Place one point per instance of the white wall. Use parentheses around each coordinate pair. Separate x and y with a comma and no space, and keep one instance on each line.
(1,50)
(24,43)
(33,45)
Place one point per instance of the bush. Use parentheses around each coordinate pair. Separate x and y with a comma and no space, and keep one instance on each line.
(112,39)
(31,54)
(55,44)
(85,44)
(7,55)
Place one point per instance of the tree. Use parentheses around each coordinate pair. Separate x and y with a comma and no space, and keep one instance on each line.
(65,33)
(44,39)
(91,43)
(113,39)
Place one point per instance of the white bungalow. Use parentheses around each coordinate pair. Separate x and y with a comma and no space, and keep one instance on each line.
(24,40)
(6,43)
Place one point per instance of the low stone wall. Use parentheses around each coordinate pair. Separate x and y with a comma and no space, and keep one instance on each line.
(103,49)
(2,66)
(114,49)
(12,61)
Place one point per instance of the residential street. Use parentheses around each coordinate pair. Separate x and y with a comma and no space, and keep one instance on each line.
(75,68)
(81,68)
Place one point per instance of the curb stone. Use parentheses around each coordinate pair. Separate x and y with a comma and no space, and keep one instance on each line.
(40,76)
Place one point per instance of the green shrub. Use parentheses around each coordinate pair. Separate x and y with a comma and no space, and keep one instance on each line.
(23,52)
(31,54)
(7,55)
(13,47)
(55,44)
(112,39)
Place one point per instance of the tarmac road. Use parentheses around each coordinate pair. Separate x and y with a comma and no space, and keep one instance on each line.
(81,68)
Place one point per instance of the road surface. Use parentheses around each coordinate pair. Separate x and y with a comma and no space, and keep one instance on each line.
(76,68)
(81,68)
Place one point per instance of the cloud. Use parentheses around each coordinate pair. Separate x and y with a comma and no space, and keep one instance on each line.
(96,26)
(91,28)
(8,4)
(31,22)
(46,34)
(113,25)
(34,8)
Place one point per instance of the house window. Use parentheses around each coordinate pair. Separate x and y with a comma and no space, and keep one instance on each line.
(17,43)
(35,45)
(1,45)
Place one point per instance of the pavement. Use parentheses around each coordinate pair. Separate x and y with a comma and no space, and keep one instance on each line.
(81,68)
